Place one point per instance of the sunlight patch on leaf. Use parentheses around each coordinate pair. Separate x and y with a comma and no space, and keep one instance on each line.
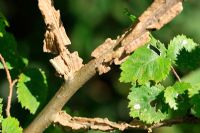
(172,93)
(11,125)
(177,44)
(3,24)
(32,89)
(145,65)
(27,100)
(194,95)
(194,101)
(140,103)
(7,64)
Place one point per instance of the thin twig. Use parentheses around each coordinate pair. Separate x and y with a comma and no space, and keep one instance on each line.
(155,17)
(11,84)
(103,124)
(175,73)
(10,97)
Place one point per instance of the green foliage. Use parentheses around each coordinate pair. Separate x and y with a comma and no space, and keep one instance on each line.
(32,82)
(32,89)
(177,44)
(192,77)
(143,66)
(140,106)
(194,101)
(194,90)
(8,48)
(3,24)
(145,63)
(194,95)
(7,64)
(188,61)
(172,93)
(145,69)
(11,125)
(106,14)
(131,16)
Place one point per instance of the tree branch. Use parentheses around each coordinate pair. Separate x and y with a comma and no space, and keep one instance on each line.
(66,91)
(77,123)
(157,15)
(11,84)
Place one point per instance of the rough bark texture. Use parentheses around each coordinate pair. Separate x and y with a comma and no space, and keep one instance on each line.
(56,40)
(156,16)
(103,124)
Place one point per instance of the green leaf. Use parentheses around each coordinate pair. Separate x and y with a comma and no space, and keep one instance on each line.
(177,44)
(192,77)
(2,27)
(194,95)
(32,89)
(140,106)
(172,92)
(3,24)
(25,97)
(188,61)
(8,47)
(158,45)
(145,65)
(195,109)
(2,17)
(7,64)
(170,95)
(11,125)
(131,16)
(194,90)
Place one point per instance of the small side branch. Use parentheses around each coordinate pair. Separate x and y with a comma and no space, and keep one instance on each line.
(175,73)
(11,84)
(103,124)
(181,120)
(155,17)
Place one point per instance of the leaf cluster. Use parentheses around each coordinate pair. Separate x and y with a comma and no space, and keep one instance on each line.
(145,69)
(31,85)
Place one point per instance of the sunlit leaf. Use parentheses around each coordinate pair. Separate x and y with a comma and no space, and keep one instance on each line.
(194,95)
(8,47)
(194,101)
(7,64)
(32,89)
(11,125)
(172,93)
(145,65)
(177,44)
(140,103)
(131,16)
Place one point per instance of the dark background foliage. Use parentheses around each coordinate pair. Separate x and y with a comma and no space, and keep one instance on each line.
(88,23)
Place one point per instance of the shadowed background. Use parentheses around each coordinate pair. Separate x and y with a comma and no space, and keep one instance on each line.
(88,23)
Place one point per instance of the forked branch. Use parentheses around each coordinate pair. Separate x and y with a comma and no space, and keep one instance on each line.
(11,85)
(155,17)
